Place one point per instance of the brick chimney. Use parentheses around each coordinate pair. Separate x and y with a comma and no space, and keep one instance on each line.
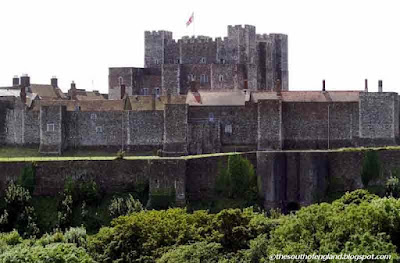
(380,84)
(72,91)
(25,81)
(15,81)
(54,82)
(366,85)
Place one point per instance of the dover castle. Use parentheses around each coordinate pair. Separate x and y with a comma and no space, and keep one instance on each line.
(198,95)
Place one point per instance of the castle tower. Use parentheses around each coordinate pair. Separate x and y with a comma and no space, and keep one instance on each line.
(277,61)
(154,48)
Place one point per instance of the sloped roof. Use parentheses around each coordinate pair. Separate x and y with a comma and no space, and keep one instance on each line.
(30,97)
(47,91)
(142,103)
(85,105)
(308,96)
(217,98)
(90,95)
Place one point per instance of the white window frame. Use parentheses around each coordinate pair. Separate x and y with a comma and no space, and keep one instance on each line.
(93,116)
(145,91)
(50,127)
(99,129)
(228,128)
(121,81)
(211,117)
(157,91)
(203,60)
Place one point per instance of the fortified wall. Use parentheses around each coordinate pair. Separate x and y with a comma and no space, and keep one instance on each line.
(207,122)
(287,178)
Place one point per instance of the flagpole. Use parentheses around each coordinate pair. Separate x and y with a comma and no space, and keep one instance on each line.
(194,22)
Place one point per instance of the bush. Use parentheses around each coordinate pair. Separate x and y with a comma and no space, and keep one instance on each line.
(123,206)
(27,179)
(65,212)
(81,190)
(392,186)
(371,167)
(198,252)
(237,180)
(58,252)
(19,213)
(76,235)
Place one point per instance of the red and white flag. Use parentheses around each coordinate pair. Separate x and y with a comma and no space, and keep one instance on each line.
(191,18)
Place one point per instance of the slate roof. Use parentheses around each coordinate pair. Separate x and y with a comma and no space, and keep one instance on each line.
(217,98)
(308,96)
(85,105)
(47,92)
(142,103)
(30,97)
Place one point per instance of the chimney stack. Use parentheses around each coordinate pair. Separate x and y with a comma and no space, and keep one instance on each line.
(54,82)
(15,81)
(25,81)
(366,85)
(323,85)
(380,86)
(72,91)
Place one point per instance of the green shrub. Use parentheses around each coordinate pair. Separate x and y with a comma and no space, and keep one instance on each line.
(237,180)
(65,212)
(198,252)
(76,235)
(123,206)
(392,185)
(81,190)
(19,213)
(27,179)
(371,167)
(57,252)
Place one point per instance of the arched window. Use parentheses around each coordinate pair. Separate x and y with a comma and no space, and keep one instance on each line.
(221,78)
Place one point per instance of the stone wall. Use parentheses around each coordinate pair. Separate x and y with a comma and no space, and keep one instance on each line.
(314,125)
(379,121)
(238,124)
(52,129)
(175,129)
(269,125)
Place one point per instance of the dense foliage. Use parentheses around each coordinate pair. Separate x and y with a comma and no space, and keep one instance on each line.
(357,223)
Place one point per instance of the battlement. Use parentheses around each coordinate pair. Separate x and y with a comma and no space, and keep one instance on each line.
(262,37)
(166,34)
(196,40)
(230,27)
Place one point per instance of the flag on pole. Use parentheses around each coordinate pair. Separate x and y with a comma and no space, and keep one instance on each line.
(191,18)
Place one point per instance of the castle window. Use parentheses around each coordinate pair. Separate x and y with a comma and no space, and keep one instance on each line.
(121,80)
(203,79)
(211,117)
(156,61)
(178,61)
(99,129)
(222,61)
(50,127)
(157,183)
(221,78)
(203,60)
(228,128)
(157,91)
(191,77)
(145,91)
(6,130)
(93,116)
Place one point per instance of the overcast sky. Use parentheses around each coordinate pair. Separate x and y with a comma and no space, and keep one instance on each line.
(343,42)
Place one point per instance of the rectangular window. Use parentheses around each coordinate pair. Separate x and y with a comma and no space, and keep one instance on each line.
(50,127)
(93,116)
(145,91)
(178,61)
(228,128)
(99,129)
(203,60)
(211,117)
(157,91)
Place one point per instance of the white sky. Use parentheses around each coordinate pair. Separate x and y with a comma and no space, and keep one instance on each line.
(342,41)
